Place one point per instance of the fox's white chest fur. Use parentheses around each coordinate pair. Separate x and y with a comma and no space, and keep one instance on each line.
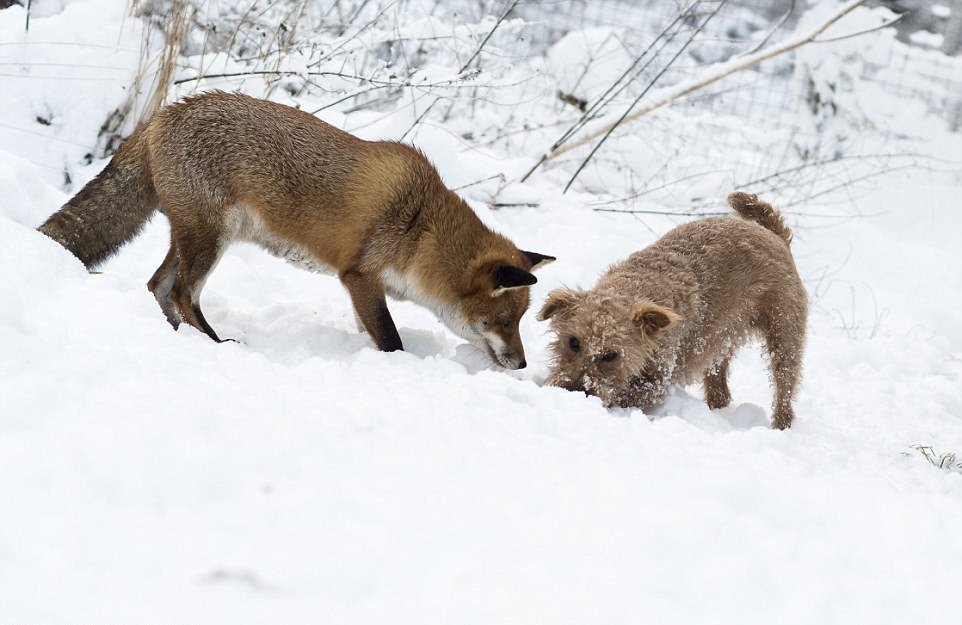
(406,288)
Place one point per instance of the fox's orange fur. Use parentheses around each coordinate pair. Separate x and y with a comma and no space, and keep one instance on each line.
(226,167)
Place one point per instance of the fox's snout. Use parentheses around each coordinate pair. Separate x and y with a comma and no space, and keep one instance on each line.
(507,356)
(513,361)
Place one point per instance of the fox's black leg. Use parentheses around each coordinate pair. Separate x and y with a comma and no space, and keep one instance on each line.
(367,295)
(199,248)
(388,338)
(205,327)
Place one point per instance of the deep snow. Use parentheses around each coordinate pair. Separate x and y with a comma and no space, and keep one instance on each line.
(300,476)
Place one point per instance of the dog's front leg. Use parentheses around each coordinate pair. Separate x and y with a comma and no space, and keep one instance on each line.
(646,390)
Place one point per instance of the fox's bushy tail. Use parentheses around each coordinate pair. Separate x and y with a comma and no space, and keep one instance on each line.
(748,206)
(110,210)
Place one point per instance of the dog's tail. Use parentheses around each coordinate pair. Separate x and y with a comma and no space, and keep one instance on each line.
(110,210)
(749,207)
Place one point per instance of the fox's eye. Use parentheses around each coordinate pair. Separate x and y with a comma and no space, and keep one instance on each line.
(609,356)
(574,344)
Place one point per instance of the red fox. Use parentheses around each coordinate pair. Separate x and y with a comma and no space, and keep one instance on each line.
(226,167)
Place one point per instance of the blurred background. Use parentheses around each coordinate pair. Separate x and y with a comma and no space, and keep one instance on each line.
(539,85)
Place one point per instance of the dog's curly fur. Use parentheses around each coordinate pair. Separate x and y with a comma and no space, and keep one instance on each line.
(679,309)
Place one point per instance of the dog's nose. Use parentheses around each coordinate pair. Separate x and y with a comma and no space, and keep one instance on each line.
(522,364)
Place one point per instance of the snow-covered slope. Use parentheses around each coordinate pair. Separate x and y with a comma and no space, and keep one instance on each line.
(300,476)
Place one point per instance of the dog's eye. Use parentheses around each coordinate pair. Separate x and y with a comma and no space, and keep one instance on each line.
(609,356)
(574,344)
(506,323)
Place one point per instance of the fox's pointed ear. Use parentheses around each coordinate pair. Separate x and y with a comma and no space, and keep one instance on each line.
(652,318)
(510,277)
(537,260)
(558,302)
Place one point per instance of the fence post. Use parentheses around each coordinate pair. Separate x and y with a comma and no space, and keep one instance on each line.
(952,38)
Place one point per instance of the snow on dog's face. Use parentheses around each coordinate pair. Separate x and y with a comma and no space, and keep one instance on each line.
(602,341)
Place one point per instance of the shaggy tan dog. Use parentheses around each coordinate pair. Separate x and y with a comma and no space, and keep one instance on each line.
(679,309)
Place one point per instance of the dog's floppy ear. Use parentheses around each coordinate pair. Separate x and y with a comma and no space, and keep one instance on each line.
(651,317)
(558,301)
(537,260)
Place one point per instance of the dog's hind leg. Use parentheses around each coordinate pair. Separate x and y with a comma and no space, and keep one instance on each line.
(784,333)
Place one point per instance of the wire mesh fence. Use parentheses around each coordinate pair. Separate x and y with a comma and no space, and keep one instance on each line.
(525,76)
(780,110)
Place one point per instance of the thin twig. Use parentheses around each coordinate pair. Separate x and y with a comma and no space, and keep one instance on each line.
(626,211)
(348,97)
(71,65)
(59,78)
(357,11)
(862,32)
(280,72)
(670,183)
(240,23)
(471,184)
(66,43)
(45,135)
(828,161)
(419,118)
(514,205)
(347,40)
(488,36)
(771,32)
(851,181)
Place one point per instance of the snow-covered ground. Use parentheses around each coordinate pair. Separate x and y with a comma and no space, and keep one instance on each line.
(300,476)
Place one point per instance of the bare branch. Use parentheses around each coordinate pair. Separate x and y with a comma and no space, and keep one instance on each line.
(488,36)
(772,31)
(613,90)
(353,37)
(713,75)
(471,184)
(419,118)
(670,183)
(644,92)
(862,32)
(626,211)
(829,161)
